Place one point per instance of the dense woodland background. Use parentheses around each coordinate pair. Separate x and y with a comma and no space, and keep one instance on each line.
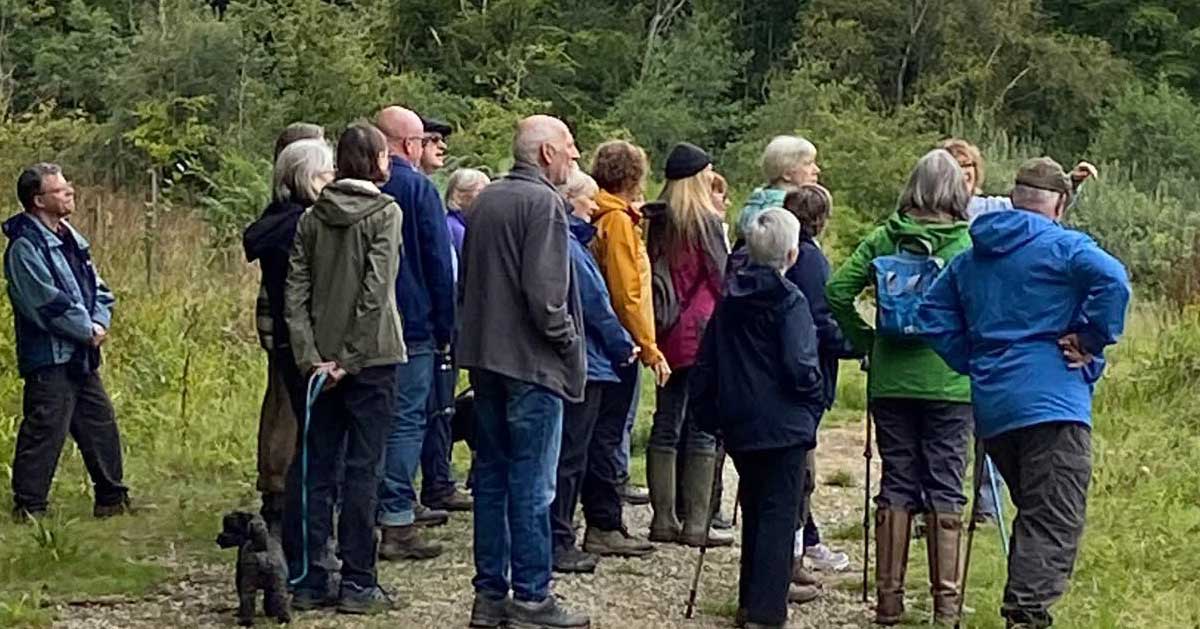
(124,92)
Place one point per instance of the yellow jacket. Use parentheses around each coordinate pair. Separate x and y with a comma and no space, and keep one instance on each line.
(620,252)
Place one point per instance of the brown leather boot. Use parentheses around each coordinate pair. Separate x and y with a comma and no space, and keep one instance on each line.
(944,531)
(892,527)
(405,542)
(660,475)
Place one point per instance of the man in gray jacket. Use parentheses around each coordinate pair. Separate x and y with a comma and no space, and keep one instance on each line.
(522,340)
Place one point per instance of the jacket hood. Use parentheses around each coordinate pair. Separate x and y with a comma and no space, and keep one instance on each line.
(16,225)
(999,233)
(765,198)
(348,201)
(902,227)
(274,229)
(19,223)
(757,285)
(581,230)
(608,202)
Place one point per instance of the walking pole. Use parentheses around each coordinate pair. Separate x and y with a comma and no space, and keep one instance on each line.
(998,504)
(691,604)
(980,457)
(866,523)
(737,500)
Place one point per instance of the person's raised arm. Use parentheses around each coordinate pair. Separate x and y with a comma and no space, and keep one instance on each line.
(843,289)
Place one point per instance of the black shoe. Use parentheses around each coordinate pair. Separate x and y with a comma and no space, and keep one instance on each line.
(488,612)
(574,561)
(424,516)
(304,599)
(363,601)
(111,510)
(546,614)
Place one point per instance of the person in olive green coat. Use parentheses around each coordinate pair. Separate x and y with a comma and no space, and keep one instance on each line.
(921,407)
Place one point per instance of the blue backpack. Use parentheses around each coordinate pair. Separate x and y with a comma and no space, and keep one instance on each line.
(901,280)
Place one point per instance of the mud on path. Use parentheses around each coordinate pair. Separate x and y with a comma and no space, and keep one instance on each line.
(622,593)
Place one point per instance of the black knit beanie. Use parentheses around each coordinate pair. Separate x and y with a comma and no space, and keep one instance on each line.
(686,160)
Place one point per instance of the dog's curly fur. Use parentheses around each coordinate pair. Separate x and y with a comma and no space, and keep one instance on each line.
(260,566)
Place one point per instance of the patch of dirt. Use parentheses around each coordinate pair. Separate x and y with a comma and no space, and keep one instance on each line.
(622,593)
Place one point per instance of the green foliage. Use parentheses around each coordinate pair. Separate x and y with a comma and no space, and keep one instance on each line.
(1152,131)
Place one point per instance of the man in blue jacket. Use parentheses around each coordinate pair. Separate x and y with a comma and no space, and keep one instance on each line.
(425,296)
(1027,313)
(62,312)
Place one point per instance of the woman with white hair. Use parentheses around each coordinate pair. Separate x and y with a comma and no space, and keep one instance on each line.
(461,189)
(302,170)
(788,162)
(921,407)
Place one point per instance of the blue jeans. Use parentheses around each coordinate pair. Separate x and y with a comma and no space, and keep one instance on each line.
(402,454)
(518,436)
(622,453)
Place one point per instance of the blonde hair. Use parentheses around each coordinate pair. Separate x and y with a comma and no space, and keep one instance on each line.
(960,148)
(689,212)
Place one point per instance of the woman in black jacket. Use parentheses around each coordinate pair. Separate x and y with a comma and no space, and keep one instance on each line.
(302,169)
(758,383)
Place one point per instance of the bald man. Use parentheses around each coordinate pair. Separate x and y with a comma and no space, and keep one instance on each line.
(522,340)
(425,297)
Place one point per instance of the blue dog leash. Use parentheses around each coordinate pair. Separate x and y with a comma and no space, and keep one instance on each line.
(315,384)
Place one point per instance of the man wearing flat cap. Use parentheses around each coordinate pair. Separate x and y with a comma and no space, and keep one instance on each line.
(1027,312)
(434,142)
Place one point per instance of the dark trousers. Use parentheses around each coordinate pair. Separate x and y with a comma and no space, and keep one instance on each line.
(56,404)
(579,423)
(356,414)
(601,500)
(674,426)
(923,444)
(771,489)
(518,433)
(805,521)
(437,480)
(1048,468)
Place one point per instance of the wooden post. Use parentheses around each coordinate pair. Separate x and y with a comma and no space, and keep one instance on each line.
(148,227)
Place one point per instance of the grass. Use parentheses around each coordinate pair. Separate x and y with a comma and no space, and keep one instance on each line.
(189,464)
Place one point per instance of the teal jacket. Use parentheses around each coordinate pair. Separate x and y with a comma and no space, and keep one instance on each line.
(898,369)
(761,199)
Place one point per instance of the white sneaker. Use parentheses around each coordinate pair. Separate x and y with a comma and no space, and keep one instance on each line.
(824,559)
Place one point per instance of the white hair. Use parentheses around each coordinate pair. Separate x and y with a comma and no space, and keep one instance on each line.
(771,237)
(463,179)
(784,153)
(579,184)
(1031,198)
(936,186)
(532,134)
(297,168)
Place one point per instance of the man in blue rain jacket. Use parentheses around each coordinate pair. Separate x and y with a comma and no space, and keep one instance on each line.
(1027,312)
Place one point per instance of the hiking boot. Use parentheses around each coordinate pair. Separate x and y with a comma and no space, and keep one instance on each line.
(943,549)
(801,576)
(424,516)
(574,561)
(546,614)
(363,601)
(488,612)
(1017,619)
(892,527)
(455,501)
(120,507)
(660,472)
(632,494)
(824,559)
(404,542)
(618,543)
(720,522)
(801,594)
(698,472)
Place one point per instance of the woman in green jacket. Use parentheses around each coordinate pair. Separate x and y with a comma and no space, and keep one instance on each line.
(921,407)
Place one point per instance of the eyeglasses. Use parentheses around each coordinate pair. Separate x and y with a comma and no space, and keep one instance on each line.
(433,138)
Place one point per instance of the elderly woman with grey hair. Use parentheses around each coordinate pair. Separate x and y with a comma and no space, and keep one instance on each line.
(302,170)
(921,407)
(461,189)
(788,162)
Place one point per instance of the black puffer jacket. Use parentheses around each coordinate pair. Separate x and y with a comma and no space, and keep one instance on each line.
(269,240)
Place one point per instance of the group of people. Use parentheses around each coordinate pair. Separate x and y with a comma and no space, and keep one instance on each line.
(555,288)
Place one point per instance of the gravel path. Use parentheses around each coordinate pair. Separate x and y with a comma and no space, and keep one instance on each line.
(622,593)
